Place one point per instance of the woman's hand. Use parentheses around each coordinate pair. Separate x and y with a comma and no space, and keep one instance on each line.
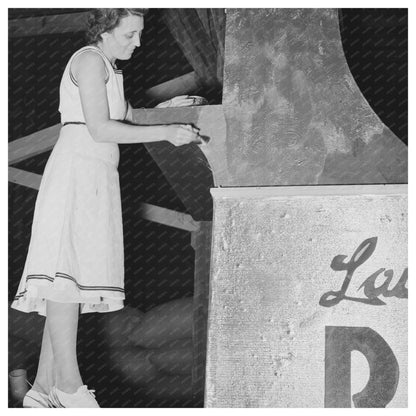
(180,134)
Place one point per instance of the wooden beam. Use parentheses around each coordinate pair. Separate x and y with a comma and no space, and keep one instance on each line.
(21,177)
(201,242)
(168,217)
(185,84)
(34,144)
(46,25)
(149,212)
(285,192)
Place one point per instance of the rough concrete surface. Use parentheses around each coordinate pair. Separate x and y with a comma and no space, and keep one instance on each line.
(294,114)
(273,261)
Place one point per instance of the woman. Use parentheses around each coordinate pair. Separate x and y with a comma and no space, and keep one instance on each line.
(75,258)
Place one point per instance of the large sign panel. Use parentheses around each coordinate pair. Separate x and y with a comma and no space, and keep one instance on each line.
(308,297)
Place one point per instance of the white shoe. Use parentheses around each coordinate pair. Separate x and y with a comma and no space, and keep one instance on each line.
(80,399)
(35,398)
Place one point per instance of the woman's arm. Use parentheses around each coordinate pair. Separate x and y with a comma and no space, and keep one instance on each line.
(90,73)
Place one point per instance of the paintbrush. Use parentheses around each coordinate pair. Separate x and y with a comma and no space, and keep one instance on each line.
(204,139)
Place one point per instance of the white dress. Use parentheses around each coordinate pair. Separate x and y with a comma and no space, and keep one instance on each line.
(76,247)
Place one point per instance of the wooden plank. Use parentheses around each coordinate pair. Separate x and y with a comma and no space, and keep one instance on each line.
(34,144)
(46,25)
(276,192)
(185,84)
(201,241)
(21,177)
(168,217)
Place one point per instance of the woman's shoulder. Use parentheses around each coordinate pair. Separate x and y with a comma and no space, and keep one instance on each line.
(88,57)
(88,60)
(88,53)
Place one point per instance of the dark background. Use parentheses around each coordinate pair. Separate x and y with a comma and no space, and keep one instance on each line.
(159,259)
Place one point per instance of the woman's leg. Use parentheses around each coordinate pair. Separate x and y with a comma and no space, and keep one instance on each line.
(45,376)
(62,325)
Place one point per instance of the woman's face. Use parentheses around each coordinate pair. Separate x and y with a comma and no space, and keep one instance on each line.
(124,38)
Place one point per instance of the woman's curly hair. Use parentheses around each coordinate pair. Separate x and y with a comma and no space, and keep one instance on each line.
(105,20)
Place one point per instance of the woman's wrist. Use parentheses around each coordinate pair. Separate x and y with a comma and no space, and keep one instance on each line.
(163,133)
(158,133)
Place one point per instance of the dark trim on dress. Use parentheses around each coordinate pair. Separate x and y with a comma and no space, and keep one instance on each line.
(68,277)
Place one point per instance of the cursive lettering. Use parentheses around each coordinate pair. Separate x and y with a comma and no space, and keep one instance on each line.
(372,293)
